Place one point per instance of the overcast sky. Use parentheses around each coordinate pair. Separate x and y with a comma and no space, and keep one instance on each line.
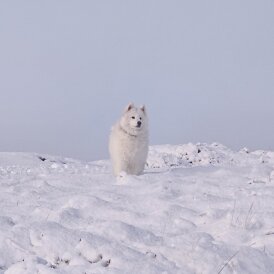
(204,69)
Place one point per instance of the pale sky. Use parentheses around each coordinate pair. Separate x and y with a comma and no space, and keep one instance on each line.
(204,69)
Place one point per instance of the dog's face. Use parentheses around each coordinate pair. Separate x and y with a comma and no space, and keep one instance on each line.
(134,119)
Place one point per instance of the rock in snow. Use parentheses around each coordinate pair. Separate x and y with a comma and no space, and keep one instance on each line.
(198,209)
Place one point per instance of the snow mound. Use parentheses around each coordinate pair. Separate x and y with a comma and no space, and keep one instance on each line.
(188,155)
(201,154)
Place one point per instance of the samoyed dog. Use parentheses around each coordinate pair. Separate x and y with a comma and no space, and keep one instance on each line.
(128,142)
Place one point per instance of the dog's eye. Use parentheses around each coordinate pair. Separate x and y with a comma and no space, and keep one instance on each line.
(133,117)
(140,118)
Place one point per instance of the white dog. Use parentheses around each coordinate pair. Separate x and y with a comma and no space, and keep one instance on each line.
(128,142)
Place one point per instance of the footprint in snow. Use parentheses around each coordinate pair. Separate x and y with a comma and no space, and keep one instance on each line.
(88,253)
(99,259)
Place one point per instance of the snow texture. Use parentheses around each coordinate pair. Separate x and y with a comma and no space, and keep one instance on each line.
(197,209)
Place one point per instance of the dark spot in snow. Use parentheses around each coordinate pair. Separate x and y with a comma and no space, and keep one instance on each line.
(151,254)
(42,158)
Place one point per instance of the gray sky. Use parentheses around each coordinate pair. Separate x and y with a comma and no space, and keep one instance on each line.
(205,70)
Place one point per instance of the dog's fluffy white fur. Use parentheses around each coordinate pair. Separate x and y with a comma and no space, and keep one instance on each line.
(128,142)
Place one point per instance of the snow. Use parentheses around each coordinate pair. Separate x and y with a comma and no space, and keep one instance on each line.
(196,209)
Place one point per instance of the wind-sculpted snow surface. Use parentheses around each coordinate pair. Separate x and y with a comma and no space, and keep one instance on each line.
(197,209)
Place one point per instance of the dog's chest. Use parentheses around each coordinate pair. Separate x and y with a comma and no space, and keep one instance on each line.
(134,145)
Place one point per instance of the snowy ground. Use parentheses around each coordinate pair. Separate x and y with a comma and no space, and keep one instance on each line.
(197,209)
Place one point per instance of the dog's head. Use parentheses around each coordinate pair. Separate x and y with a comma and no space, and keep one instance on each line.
(134,119)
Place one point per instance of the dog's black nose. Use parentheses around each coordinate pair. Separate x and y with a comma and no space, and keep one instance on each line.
(139,123)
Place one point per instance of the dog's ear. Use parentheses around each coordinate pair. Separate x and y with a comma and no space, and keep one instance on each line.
(143,108)
(129,107)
